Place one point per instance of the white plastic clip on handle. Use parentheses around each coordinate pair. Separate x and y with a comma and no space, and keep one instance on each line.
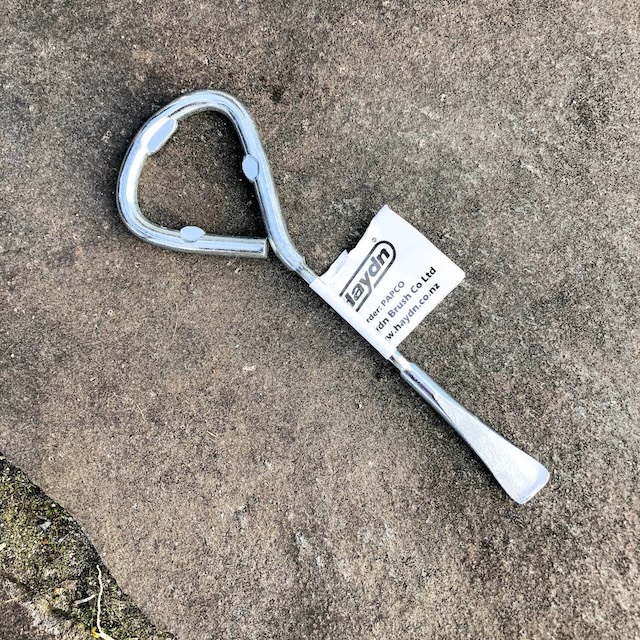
(519,474)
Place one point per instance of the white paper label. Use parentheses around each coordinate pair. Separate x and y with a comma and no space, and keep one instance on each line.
(393,277)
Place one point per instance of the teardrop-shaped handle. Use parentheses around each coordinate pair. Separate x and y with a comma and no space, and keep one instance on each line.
(154,135)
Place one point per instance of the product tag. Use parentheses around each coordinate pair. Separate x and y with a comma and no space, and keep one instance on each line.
(393,277)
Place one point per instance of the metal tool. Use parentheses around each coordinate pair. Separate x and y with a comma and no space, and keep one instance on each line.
(519,474)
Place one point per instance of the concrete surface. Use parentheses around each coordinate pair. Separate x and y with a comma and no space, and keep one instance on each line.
(245,465)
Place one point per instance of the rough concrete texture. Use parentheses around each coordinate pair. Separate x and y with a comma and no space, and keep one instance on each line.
(245,465)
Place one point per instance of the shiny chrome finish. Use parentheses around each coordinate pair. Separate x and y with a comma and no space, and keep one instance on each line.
(519,474)
(154,135)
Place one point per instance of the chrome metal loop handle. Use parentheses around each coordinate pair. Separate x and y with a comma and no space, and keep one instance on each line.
(154,135)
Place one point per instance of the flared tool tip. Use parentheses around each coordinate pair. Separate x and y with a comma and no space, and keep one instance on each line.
(525,493)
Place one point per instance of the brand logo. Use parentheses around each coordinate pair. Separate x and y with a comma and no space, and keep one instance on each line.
(368,275)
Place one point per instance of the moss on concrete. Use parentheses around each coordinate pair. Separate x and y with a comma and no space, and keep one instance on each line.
(49,566)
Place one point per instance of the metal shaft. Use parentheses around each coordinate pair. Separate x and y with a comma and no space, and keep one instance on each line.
(517,472)
(520,475)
